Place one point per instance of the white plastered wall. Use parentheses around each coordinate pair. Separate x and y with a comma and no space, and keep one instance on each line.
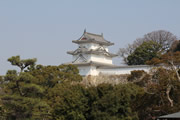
(123,70)
(88,70)
(90,45)
(93,46)
(100,58)
(91,70)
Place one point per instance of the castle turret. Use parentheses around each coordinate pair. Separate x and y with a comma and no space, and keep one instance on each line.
(92,52)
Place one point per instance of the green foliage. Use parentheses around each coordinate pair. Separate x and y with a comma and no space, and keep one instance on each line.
(146,51)
(25,94)
(155,102)
(103,102)
(113,102)
(136,74)
(168,59)
(22,64)
(175,46)
(164,40)
(68,102)
(49,76)
(139,77)
(55,93)
(22,95)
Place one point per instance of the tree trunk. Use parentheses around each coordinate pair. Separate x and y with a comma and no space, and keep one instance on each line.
(168,97)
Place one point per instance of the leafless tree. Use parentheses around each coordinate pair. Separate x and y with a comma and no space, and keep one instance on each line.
(162,37)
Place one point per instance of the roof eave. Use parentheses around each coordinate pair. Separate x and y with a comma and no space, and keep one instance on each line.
(70,52)
(92,41)
(114,55)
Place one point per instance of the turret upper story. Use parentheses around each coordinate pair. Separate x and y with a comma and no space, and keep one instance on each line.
(92,47)
(92,38)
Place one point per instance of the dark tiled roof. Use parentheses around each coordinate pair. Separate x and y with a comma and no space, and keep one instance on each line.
(92,38)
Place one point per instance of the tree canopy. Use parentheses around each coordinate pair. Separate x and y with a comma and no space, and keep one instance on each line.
(163,39)
(146,51)
(56,93)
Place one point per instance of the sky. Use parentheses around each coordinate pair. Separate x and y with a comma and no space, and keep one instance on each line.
(44,29)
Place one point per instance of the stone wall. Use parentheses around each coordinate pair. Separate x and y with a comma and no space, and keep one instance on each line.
(112,79)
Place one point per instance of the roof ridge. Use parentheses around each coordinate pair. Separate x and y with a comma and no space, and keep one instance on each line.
(94,34)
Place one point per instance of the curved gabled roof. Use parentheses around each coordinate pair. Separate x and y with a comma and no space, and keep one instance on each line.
(91,51)
(92,38)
